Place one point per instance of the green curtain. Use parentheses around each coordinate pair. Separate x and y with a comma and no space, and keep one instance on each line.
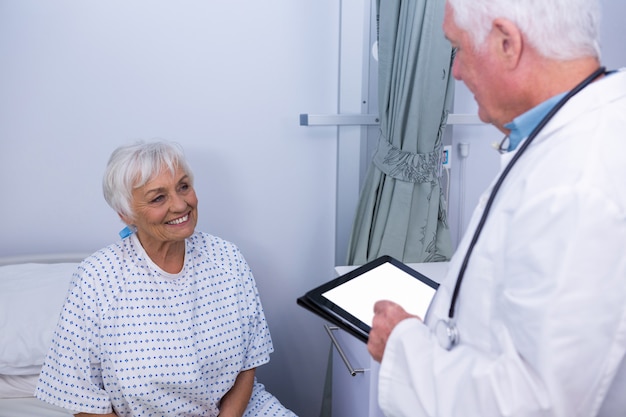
(401,211)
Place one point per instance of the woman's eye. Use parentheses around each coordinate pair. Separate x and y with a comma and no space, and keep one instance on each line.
(158,199)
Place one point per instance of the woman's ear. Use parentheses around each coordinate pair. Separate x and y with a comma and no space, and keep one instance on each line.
(126,219)
(508,42)
(129,229)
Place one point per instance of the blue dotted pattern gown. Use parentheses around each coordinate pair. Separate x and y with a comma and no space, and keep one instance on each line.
(142,342)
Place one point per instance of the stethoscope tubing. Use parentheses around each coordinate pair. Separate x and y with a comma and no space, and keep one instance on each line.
(505,172)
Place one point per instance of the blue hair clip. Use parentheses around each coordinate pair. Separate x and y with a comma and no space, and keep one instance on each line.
(127,231)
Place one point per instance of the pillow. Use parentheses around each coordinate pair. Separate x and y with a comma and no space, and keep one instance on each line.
(31,299)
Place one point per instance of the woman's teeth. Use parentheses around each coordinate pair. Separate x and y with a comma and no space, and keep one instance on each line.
(179,220)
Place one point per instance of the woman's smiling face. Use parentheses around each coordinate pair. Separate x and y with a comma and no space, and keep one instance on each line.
(164,209)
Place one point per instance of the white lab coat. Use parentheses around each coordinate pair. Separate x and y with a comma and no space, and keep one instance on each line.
(542,309)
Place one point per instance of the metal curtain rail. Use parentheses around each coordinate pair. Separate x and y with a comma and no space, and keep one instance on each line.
(372,119)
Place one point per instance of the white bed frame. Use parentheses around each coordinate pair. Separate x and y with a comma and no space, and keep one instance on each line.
(54,258)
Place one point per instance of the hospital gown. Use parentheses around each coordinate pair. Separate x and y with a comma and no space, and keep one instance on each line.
(144,342)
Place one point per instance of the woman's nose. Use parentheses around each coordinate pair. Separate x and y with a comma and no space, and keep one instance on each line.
(178,203)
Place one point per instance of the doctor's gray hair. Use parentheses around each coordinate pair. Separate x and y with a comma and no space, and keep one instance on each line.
(132,166)
(559,29)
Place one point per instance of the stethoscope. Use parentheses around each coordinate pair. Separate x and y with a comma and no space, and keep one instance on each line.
(446,329)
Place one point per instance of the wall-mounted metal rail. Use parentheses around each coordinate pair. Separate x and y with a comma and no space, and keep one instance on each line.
(372,119)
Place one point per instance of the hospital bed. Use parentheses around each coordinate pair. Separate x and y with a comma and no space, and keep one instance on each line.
(32,292)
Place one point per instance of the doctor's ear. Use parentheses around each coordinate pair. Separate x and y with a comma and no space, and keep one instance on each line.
(508,42)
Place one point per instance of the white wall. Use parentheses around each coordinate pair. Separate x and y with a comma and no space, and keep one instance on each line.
(225,78)
(483,162)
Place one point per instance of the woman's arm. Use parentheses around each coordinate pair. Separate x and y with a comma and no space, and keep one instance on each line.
(235,401)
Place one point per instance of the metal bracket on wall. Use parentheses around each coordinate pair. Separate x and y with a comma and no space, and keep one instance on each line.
(338,119)
(372,119)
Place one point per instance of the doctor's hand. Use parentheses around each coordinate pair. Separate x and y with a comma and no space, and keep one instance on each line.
(387,315)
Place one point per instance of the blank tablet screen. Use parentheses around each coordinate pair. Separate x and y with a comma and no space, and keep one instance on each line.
(384,282)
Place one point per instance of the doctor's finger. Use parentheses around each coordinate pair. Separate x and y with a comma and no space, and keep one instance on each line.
(384,305)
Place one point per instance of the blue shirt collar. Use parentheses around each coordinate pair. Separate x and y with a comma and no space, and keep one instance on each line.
(523,124)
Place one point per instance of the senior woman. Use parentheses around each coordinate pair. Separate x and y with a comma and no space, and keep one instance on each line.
(165,322)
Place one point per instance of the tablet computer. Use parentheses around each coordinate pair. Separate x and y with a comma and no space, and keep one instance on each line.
(348,301)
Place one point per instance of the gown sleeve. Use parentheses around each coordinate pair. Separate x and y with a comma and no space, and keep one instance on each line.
(259,344)
(71,376)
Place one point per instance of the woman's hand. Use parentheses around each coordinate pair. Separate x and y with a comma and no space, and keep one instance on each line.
(387,315)
(235,401)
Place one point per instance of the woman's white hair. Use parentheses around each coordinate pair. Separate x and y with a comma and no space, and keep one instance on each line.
(132,166)
(558,29)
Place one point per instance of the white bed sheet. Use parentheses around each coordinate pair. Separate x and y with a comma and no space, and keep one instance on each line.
(30,407)
(18,386)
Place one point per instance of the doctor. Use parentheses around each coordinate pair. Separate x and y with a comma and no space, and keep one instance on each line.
(531,318)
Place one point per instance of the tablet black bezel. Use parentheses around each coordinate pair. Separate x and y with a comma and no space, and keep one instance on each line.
(329,310)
